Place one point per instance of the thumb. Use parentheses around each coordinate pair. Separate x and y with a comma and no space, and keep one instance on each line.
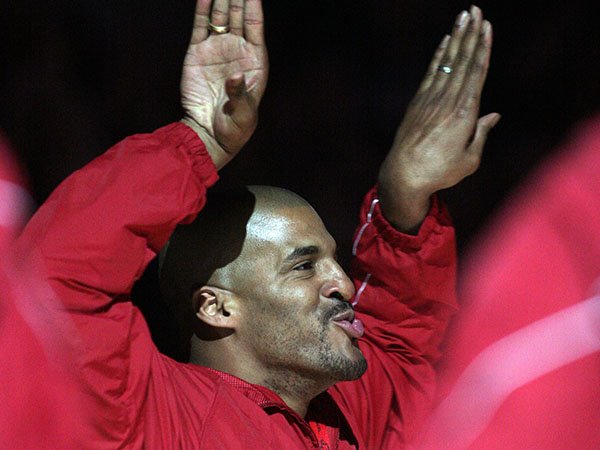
(240,105)
(484,125)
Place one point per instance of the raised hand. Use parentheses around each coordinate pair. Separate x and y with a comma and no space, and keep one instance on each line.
(225,74)
(441,138)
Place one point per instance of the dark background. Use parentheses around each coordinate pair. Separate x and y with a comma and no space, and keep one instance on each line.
(77,76)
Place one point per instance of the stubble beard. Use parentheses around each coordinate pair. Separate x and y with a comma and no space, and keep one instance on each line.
(338,366)
(342,368)
(323,360)
(309,371)
(300,359)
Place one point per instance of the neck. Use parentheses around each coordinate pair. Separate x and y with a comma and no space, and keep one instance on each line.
(296,390)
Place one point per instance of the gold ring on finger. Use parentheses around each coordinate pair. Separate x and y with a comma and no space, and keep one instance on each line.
(218,29)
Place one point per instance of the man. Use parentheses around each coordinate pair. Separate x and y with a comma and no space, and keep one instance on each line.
(272,328)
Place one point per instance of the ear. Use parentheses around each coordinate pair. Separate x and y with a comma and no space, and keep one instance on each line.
(216,307)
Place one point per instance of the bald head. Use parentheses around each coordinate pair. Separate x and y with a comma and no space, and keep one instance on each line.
(214,249)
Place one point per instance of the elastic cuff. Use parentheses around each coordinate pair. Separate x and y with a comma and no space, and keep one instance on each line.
(437,219)
(202,164)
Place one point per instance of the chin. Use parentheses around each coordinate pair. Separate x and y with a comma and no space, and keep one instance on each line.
(354,369)
(351,365)
(355,352)
(351,350)
(345,359)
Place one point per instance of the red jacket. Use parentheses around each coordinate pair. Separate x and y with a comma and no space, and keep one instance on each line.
(102,226)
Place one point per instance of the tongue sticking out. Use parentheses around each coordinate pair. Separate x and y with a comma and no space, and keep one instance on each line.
(354,329)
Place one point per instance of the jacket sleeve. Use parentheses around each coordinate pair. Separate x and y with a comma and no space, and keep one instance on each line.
(95,235)
(405,297)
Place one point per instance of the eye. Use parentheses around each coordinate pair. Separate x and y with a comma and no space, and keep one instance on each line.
(306,265)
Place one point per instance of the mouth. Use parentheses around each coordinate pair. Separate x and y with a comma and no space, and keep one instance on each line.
(353,327)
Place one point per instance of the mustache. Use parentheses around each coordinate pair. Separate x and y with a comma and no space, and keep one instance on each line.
(340,307)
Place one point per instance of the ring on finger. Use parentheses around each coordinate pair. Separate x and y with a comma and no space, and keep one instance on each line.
(218,29)
(444,69)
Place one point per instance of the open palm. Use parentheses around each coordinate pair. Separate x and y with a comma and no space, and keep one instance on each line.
(225,75)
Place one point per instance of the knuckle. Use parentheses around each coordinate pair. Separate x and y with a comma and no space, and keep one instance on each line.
(462,112)
(219,14)
(438,99)
(478,66)
(473,96)
(459,27)
(462,59)
(476,163)
(473,163)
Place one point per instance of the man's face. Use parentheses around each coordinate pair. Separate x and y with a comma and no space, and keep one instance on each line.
(297,316)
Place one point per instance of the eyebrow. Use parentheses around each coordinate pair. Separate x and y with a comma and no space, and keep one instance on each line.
(302,251)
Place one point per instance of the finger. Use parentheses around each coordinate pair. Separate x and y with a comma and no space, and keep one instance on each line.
(219,14)
(484,126)
(466,53)
(200,29)
(240,106)
(472,85)
(440,78)
(254,22)
(236,17)
(434,64)
(481,63)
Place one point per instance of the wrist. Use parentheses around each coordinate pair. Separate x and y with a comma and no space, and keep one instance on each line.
(215,151)
(406,217)
(404,207)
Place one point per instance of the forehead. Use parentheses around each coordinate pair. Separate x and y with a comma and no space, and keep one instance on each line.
(288,228)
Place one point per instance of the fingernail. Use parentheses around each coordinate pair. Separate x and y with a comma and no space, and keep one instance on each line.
(486,27)
(462,18)
(495,122)
(475,12)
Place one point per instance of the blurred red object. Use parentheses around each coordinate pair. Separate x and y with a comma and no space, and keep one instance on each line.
(14,200)
(522,365)
(41,405)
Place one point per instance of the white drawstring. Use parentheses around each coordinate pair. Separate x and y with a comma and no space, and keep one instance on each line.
(355,248)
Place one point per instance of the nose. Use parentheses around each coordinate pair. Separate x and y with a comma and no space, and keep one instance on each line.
(338,285)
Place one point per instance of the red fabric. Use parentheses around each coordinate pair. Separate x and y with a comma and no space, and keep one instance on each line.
(522,369)
(14,199)
(40,404)
(101,227)
(405,307)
